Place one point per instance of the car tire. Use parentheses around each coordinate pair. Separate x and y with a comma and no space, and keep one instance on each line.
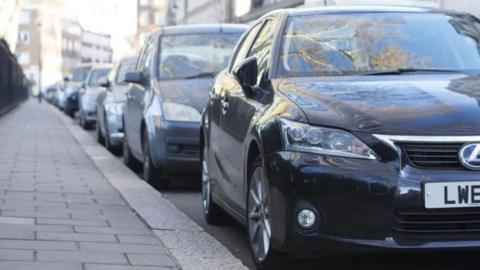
(108,143)
(151,174)
(128,159)
(98,134)
(214,215)
(258,221)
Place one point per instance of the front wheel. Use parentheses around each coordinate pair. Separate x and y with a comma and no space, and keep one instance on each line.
(99,135)
(214,215)
(259,220)
(128,159)
(151,174)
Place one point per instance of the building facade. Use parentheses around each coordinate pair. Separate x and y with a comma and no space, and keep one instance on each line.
(152,14)
(49,45)
(9,20)
(96,48)
(71,45)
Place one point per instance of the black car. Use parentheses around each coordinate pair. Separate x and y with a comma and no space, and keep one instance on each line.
(110,103)
(167,94)
(348,129)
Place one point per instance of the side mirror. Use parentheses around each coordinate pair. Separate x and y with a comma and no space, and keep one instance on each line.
(134,77)
(247,74)
(104,82)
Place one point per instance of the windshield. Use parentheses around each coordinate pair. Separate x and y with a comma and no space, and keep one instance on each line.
(80,74)
(125,67)
(97,75)
(195,55)
(344,44)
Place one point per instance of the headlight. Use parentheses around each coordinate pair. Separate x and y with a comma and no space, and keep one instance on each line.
(114,108)
(333,142)
(180,112)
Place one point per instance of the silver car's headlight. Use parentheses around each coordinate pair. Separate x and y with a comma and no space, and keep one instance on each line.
(114,108)
(333,142)
(180,112)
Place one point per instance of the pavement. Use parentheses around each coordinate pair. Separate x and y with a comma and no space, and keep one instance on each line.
(67,203)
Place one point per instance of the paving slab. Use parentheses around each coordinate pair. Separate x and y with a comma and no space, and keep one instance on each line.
(57,209)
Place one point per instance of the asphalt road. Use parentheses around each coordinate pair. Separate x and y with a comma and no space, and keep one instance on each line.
(185,195)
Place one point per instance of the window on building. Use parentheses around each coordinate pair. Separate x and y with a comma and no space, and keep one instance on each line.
(144,18)
(160,18)
(23,58)
(25,17)
(24,37)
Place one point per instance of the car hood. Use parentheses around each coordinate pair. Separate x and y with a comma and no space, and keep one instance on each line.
(396,105)
(193,92)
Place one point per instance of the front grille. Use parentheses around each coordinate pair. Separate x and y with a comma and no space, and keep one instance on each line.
(449,222)
(433,155)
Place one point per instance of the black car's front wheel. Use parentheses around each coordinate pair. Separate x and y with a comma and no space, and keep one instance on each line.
(259,220)
(151,174)
(214,215)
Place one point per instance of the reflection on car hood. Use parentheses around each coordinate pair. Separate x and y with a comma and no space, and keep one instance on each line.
(404,105)
(193,92)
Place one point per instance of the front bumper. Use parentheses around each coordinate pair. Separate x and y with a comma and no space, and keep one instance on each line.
(175,147)
(363,205)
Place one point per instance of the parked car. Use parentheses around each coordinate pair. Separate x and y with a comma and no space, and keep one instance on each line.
(68,99)
(348,129)
(87,101)
(51,93)
(167,93)
(110,103)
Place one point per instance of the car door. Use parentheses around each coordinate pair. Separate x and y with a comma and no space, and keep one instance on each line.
(223,82)
(136,102)
(237,112)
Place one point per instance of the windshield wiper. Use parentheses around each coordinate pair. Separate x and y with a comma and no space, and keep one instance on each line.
(407,70)
(201,75)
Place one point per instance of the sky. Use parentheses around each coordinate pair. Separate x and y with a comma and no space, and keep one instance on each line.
(114,17)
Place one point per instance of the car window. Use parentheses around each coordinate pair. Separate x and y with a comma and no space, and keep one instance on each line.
(80,74)
(346,44)
(195,55)
(96,76)
(244,45)
(262,47)
(124,67)
(145,56)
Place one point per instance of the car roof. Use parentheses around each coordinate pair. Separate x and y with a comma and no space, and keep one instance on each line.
(202,29)
(357,9)
(101,66)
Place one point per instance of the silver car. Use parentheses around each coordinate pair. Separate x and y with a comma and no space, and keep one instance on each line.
(87,101)
(110,103)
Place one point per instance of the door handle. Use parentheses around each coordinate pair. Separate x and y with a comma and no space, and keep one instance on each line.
(225,105)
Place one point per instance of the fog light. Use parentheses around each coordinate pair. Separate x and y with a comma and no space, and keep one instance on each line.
(306,218)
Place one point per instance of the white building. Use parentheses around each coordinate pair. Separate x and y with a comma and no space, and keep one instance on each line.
(9,17)
(96,48)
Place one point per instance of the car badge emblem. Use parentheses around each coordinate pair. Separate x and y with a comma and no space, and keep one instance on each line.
(469,156)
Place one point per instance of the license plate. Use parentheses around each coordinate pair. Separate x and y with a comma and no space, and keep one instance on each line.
(452,195)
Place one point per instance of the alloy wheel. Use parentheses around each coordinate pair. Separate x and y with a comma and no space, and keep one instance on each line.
(259,216)
(206,185)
